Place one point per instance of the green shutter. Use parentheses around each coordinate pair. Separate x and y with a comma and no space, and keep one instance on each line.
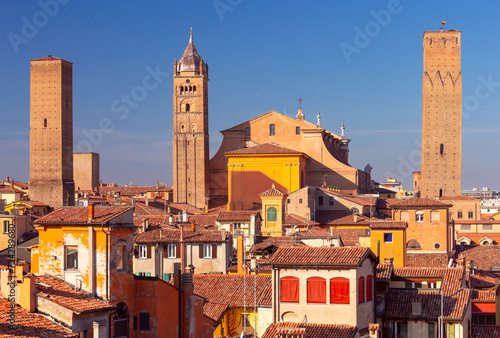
(148,274)
(165,277)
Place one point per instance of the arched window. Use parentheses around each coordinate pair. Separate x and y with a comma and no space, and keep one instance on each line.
(339,290)
(290,289)
(188,107)
(369,286)
(297,130)
(316,290)
(272,214)
(361,289)
(120,320)
(183,128)
(45,123)
(459,214)
(355,210)
(413,244)
(272,130)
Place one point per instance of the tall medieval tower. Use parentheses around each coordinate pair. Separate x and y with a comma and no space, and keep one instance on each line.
(51,132)
(441,114)
(190,130)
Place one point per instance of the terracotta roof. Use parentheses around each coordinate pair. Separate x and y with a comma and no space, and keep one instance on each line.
(485,257)
(325,256)
(173,234)
(7,189)
(296,220)
(70,215)
(310,330)
(452,277)
(28,325)
(383,272)
(340,217)
(21,185)
(483,296)
(229,289)
(388,225)
(35,203)
(313,232)
(205,220)
(272,192)
(399,304)
(482,279)
(419,202)
(47,58)
(485,331)
(128,191)
(458,198)
(428,260)
(477,237)
(261,266)
(214,311)
(263,243)
(350,237)
(65,295)
(264,149)
(364,201)
(229,216)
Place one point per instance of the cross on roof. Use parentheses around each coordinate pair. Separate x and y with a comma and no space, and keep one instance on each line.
(300,99)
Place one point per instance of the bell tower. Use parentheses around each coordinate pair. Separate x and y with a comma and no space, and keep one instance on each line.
(441,115)
(190,129)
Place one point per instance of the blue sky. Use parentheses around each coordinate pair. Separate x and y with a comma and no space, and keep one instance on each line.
(262,55)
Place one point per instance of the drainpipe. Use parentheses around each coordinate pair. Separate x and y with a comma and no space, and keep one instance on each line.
(107,263)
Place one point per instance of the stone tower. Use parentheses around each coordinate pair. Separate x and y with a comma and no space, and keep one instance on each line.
(51,132)
(190,130)
(441,115)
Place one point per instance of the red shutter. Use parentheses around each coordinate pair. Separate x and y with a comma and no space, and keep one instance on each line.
(290,289)
(361,289)
(369,290)
(177,251)
(339,290)
(201,250)
(316,290)
(165,251)
(214,250)
(148,250)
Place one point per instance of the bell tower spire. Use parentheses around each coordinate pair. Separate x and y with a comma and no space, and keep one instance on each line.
(190,129)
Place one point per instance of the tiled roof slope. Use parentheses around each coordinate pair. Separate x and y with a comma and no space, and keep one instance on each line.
(350,237)
(383,272)
(266,242)
(214,311)
(328,256)
(388,225)
(264,149)
(28,325)
(229,289)
(296,220)
(485,331)
(228,216)
(482,280)
(452,277)
(340,217)
(68,215)
(477,237)
(483,296)
(426,260)
(419,202)
(272,192)
(485,257)
(310,330)
(65,295)
(173,234)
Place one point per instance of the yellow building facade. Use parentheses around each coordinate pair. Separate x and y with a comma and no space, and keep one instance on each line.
(391,237)
(273,202)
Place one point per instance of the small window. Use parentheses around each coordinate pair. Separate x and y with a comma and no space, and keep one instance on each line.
(437,245)
(297,130)
(431,285)
(193,128)
(487,227)
(465,227)
(143,251)
(135,319)
(330,200)
(183,128)
(355,210)
(71,257)
(272,214)
(288,201)
(207,251)
(120,258)
(440,192)
(6,227)
(272,130)
(300,200)
(388,237)
(45,123)
(247,131)
(144,321)
(419,216)
(320,200)
(188,107)
(470,214)
(459,214)
(172,251)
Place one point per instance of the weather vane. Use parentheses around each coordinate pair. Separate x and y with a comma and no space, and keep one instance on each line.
(300,99)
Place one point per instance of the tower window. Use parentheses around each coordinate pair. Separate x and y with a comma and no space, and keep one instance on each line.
(193,127)
(272,129)
(272,214)
(182,90)
(440,192)
(183,128)
(297,130)
(441,149)
(188,107)
(194,88)
(45,123)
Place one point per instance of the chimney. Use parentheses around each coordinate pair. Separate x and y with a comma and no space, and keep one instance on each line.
(7,179)
(355,216)
(223,235)
(147,202)
(145,224)
(170,219)
(239,254)
(192,224)
(253,264)
(91,211)
(416,307)
(184,215)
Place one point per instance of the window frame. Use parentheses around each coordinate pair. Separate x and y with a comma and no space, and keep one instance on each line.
(297,130)
(66,257)
(121,258)
(143,251)
(144,321)
(369,288)
(207,250)
(459,214)
(386,237)
(419,216)
(272,129)
(470,214)
(320,200)
(171,248)
(272,214)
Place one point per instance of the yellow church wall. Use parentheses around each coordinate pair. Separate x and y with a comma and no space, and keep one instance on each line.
(250,175)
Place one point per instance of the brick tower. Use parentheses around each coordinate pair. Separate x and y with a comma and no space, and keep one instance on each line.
(190,130)
(51,132)
(441,114)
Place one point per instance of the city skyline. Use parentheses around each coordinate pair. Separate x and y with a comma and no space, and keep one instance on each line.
(363,70)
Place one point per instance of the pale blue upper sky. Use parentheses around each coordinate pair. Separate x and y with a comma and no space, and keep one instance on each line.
(262,55)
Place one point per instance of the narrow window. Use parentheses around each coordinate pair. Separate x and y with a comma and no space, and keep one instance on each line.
(419,216)
(441,149)
(361,289)
(330,200)
(288,201)
(193,128)
(247,131)
(272,214)
(300,200)
(183,128)
(194,88)
(71,257)
(172,251)
(369,291)
(440,192)
(339,290)
(271,130)
(290,289)
(297,130)
(316,290)
(471,214)
(143,251)
(188,107)
(120,258)
(6,227)
(45,123)
(182,90)
(320,200)
(207,251)
(144,321)
(459,214)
